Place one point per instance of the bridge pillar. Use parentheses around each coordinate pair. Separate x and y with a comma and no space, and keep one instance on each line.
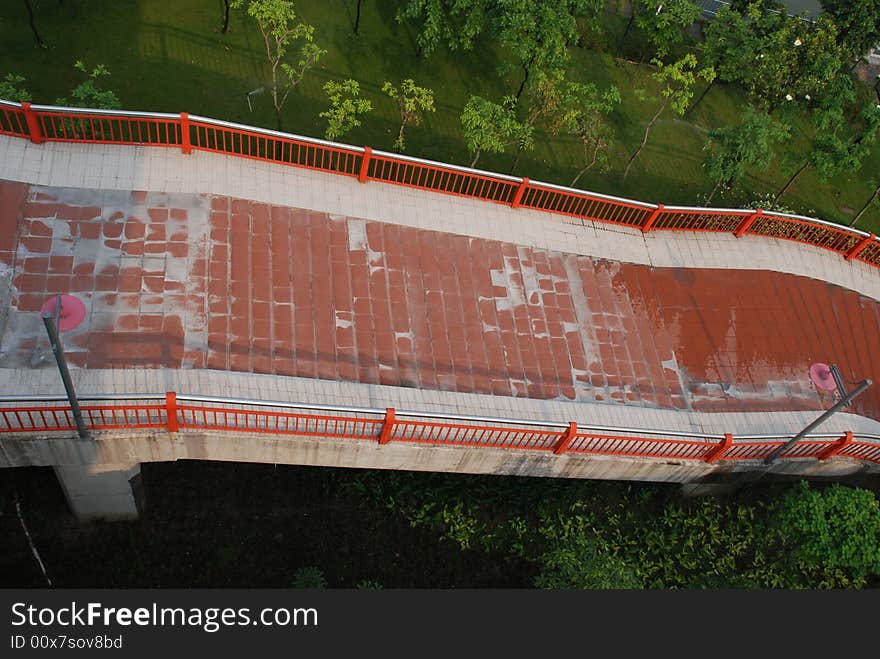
(110,492)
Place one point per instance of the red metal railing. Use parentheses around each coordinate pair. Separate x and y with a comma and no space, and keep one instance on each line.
(176,413)
(48,123)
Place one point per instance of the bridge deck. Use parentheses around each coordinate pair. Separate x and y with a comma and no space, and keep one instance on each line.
(186,280)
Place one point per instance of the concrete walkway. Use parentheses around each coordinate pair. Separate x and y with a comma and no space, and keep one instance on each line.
(416,291)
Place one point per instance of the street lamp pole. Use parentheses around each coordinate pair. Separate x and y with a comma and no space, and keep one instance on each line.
(845,400)
(51,321)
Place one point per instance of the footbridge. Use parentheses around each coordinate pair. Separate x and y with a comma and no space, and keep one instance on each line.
(256,296)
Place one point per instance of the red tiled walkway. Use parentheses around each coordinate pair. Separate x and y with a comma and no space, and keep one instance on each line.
(196,282)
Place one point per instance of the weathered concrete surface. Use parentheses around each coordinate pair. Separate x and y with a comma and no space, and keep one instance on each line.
(101,491)
(113,448)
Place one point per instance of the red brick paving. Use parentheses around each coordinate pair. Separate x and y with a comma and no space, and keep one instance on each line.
(231,284)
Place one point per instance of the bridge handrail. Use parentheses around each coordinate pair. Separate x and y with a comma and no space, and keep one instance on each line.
(41,123)
(40,415)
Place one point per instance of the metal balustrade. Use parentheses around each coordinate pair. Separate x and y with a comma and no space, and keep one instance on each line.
(49,415)
(44,123)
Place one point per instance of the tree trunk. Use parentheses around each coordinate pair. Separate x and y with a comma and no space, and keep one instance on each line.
(705,91)
(516,159)
(865,207)
(357,20)
(644,140)
(399,143)
(476,158)
(625,33)
(791,180)
(587,167)
(714,190)
(419,52)
(30,11)
(225,16)
(522,85)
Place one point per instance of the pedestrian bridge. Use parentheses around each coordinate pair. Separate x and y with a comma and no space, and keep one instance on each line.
(255,296)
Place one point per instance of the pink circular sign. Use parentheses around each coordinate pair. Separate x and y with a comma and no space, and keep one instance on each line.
(73,311)
(821,376)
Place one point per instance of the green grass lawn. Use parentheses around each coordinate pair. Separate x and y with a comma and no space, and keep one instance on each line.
(172,57)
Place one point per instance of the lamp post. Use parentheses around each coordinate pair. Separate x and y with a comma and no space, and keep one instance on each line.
(52,321)
(846,399)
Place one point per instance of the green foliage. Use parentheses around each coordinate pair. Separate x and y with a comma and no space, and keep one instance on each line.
(858,23)
(457,23)
(345,107)
(677,80)
(731,150)
(411,100)
(579,564)
(277,22)
(583,112)
(665,22)
(729,44)
(88,93)
(11,89)
(368,584)
(615,535)
(538,32)
(491,127)
(309,577)
(836,527)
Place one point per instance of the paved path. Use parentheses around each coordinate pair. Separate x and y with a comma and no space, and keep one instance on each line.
(204,281)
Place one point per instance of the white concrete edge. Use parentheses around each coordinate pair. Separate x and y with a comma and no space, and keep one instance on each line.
(46,381)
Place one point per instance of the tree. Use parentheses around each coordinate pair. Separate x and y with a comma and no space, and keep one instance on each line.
(345,106)
(677,80)
(728,45)
(858,24)
(11,89)
(411,100)
(538,32)
(733,149)
(30,12)
(831,151)
(794,62)
(544,97)
(583,113)
(665,22)
(277,22)
(357,19)
(492,128)
(836,527)
(457,23)
(225,28)
(88,94)
(867,205)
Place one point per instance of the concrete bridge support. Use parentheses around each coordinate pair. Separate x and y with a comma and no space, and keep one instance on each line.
(102,491)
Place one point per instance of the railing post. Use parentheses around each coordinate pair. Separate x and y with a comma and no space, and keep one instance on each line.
(567,437)
(717,452)
(649,223)
(747,223)
(171,411)
(365,164)
(856,250)
(517,198)
(385,437)
(33,125)
(837,446)
(185,145)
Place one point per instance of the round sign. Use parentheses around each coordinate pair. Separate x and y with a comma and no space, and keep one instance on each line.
(73,311)
(821,376)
